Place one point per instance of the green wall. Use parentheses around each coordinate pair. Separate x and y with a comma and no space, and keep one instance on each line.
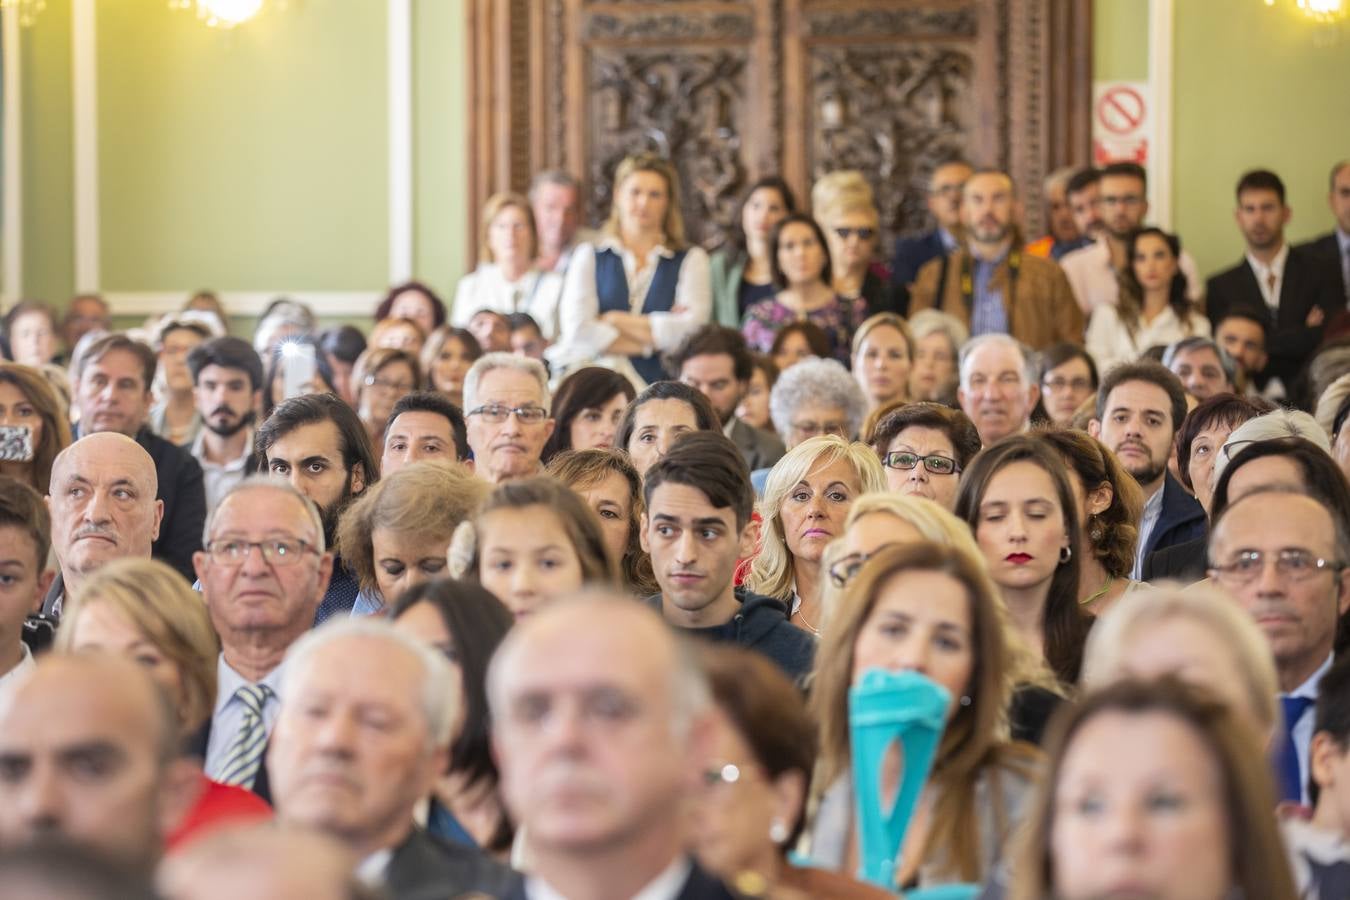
(1120,40)
(1253,89)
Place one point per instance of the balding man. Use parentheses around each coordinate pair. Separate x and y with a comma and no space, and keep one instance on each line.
(989,283)
(262,862)
(103,504)
(363,734)
(89,755)
(599,723)
(263,572)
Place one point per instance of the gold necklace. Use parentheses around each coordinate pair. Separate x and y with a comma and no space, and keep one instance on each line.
(809,627)
(1099,593)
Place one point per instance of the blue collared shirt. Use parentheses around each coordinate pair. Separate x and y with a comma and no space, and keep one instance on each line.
(1343,241)
(229,712)
(1147,522)
(987,312)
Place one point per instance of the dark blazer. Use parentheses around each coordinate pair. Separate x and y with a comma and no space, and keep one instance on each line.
(760,448)
(425,867)
(1328,250)
(1309,281)
(1180,562)
(910,255)
(196,746)
(699,886)
(1182,519)
(184,494)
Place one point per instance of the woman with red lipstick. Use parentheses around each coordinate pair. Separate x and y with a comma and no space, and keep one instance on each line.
(883,352)
(1154,790)
(1017,500)
(806,499)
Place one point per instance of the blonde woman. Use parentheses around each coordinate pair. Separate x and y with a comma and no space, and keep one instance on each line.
(642,287)
(878,521)
(981,783)
(806,499)
(883,357)
(843,204)
(506,280)
(144,610)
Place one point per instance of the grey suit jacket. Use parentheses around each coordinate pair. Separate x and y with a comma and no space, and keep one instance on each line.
(425,867)
(760,448)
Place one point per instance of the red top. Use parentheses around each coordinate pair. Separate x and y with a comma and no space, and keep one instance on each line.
(217,804)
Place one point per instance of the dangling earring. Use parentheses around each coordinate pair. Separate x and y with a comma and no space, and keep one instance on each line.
(965,700)
(778,831)
(1065,554)
(1095,530)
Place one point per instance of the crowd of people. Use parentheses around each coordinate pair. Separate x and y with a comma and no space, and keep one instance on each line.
(602,582)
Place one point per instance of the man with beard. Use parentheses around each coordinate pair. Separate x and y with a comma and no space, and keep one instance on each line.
(716,361)
(990,283)
(1122,197)
(263,573)
(317,443)
(227,379)
(1296,290)
(1139,409)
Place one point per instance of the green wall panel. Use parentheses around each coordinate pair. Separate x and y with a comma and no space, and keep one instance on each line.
(48,189)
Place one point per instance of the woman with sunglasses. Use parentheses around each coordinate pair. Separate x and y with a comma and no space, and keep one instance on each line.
(924,447)
(844,205)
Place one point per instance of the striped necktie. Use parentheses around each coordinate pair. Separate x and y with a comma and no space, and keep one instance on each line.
(245,754)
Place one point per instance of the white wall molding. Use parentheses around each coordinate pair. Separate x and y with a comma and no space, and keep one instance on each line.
(1161,23)
(245,303)
(11,255)
(84,71)
(400,52)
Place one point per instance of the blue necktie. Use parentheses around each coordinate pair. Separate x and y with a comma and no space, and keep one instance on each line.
(1286,757)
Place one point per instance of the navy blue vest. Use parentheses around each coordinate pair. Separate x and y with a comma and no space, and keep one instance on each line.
(611,286)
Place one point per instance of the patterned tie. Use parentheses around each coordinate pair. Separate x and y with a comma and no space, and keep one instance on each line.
(1270,282)
(245,754)
(1286,757)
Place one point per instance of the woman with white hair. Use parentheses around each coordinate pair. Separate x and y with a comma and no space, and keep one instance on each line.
(283,318)
(1333,408)
(816,397)
(806,499)
(1282,423)
(938,338)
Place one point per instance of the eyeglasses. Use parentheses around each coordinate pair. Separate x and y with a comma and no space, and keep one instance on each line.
(812,429)
(277,551)
(843,570)
(1292,564)
(1233,448)
(1130,200)
(376,381)
(903,459)
(1059,384)
(497,413)
(864,234)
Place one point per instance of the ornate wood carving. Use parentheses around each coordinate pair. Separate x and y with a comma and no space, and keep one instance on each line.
(735,89)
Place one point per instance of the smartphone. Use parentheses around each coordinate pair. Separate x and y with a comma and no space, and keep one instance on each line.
(16,443)
(298,366)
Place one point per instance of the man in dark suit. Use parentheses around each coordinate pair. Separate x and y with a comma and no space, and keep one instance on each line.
(1140,406)
(716,361)
(362,736)
(1298,290)
(112,391)
(944,202)
(599,722)
(263,572)
(1334,246)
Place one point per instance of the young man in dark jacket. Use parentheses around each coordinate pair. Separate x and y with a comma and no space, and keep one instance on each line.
(696,526)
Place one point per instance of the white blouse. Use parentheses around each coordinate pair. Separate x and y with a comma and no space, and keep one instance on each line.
(1110,342)
(535,292)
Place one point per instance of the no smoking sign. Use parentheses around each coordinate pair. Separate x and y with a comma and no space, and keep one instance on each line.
(1120,122)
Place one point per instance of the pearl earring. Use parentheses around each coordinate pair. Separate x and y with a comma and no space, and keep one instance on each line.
(778,831)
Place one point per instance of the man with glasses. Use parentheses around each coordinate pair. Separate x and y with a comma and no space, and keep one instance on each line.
(1123,204)
(263,573)
(1281,555)
(998,387)
(506,405)
(317,443)
(944,202)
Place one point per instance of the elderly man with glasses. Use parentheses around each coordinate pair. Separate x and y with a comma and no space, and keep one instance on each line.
(506,404)
(263,573)
(1282,556)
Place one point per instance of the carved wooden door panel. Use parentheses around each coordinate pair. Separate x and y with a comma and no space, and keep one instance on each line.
(735,89)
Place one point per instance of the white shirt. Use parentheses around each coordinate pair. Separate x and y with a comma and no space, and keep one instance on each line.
(1110,342)
(1271,292)
(1094,281)
(220,477)
(1303,729)
(665,886)
(579,327)
(8,680)
(486,287)
(229,712)
(370,871)
(1152,510)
